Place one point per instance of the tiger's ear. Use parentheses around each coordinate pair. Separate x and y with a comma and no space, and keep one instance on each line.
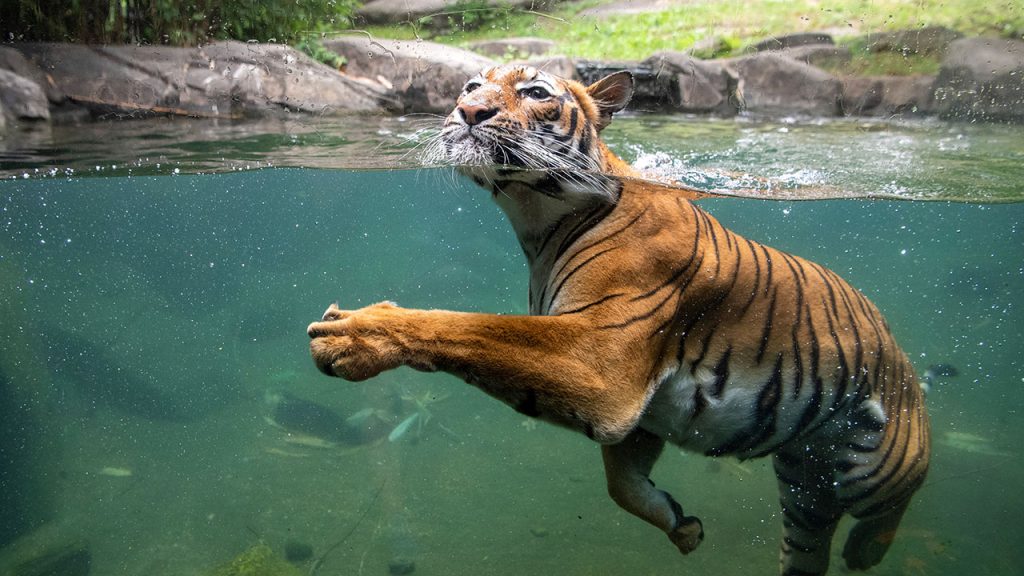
(611,94)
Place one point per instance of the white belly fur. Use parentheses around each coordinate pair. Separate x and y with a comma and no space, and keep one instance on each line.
(669,414)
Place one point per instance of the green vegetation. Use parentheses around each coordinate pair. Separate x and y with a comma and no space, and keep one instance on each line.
(259,560)
(170,21)
(738,24)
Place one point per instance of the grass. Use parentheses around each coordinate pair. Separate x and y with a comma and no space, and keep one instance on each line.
(738,24)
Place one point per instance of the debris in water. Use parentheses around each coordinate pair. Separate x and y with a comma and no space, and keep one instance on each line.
(400,565)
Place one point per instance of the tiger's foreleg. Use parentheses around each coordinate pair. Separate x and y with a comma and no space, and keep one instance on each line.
(627,467)
(551,367)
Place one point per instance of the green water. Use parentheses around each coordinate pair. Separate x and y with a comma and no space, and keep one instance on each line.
(146,320)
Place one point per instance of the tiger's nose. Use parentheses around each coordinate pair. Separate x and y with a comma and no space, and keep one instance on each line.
(476,113)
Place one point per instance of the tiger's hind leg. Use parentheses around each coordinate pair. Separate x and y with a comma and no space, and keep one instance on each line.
(627,467)
(810,511)
(870,538)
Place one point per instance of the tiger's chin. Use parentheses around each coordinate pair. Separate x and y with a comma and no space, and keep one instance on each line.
(470,152)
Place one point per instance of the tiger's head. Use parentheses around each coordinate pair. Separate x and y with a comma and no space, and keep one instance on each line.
(518,117)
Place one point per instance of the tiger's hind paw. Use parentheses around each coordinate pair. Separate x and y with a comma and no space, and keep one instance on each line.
(688,534)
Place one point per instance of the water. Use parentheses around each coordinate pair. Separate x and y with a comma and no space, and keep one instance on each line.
(149,313)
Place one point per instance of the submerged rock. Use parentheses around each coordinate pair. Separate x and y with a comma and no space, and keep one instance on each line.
(297,552)
(318,421)
(399,565)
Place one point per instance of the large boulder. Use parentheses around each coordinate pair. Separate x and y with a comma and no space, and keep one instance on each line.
(22,99)
(933,40)
(982,79)
(771,83)
(269,76)
(227,79)
(426,77)
(15,61)
(887,95)
(694,86)
(820,55)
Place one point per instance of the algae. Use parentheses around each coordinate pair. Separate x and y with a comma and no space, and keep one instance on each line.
(258,560)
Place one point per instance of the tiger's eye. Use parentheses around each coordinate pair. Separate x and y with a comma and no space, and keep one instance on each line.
(470,86)
(535,93)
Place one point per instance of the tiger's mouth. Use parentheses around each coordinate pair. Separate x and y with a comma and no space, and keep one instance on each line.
(478,146)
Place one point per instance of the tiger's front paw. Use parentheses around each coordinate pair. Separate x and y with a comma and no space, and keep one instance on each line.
(688,535)
(356,344)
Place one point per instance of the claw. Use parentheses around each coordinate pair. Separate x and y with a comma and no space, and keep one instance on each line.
(331,313)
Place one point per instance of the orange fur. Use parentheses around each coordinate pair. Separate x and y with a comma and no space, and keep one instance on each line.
(651,323)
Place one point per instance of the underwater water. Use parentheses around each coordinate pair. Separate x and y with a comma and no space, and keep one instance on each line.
(153,326)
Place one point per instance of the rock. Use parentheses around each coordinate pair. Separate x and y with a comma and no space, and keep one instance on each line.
(395,11)
(650,93)
(22,98)
(297,552)
(887,95)
(224,79)
(426,77)
(557,65)
(982,79)
(928,40)
(771,83)
(269,76)
(792,41)
(694,86)
(820,55)
(524,47)
(54,548)
(11,59)
(400,565)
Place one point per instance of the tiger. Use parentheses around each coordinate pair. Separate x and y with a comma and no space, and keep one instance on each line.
(651,323)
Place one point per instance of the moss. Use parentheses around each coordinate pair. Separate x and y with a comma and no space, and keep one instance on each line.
(258,560)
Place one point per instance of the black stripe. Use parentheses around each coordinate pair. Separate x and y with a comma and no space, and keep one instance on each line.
(590,305)
(757,278)
(768,269)
(592,219)
(762,420)
(585,142)
(766,331)
(528,405)
(577,268)
(721,372)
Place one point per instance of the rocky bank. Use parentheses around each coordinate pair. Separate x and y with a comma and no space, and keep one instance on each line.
(981,79)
